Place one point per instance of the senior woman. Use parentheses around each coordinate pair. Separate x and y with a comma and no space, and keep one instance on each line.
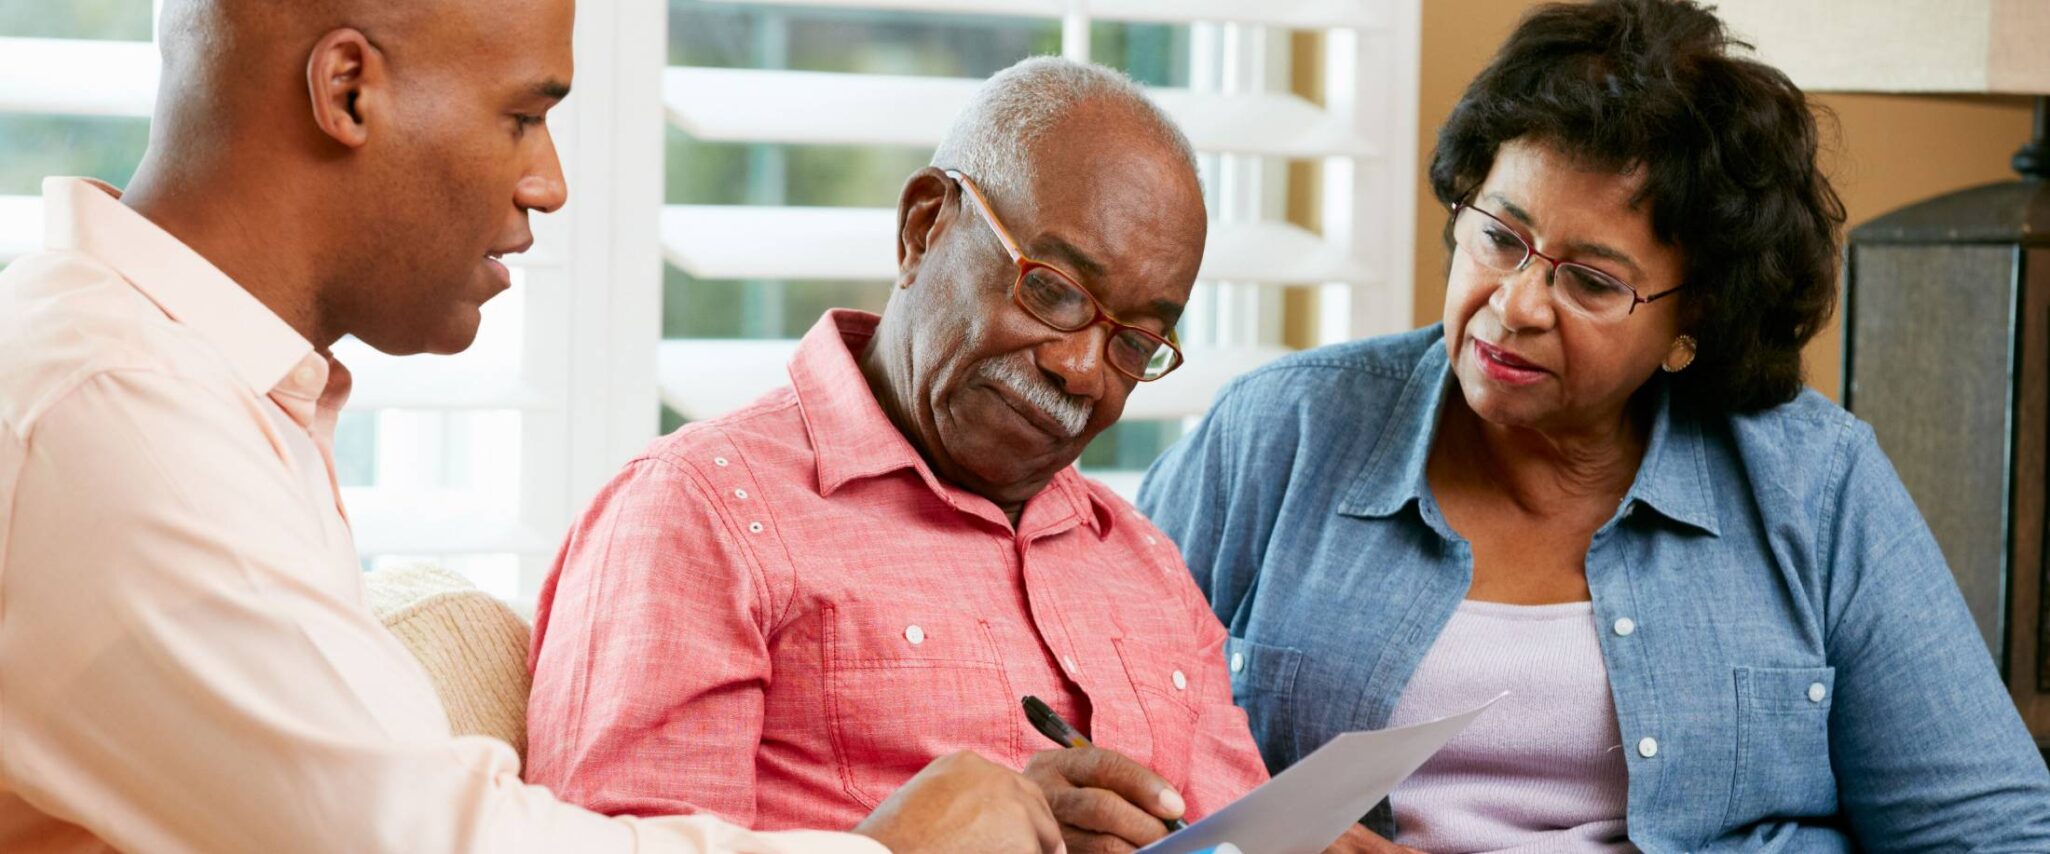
(1598,485)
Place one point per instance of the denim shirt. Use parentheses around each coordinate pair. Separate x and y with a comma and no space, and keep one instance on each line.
(1792,665)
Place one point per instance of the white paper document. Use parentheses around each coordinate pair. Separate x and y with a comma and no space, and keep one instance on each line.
(1307,807)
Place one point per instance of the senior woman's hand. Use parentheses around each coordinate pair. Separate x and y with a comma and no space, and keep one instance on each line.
(1360,840)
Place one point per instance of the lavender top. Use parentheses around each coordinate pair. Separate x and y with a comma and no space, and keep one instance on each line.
(1541,770)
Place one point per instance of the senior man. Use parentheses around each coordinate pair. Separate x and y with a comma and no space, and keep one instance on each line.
(780,614)
(187,662)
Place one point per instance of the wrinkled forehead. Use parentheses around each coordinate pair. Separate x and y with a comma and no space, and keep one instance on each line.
(1130,204)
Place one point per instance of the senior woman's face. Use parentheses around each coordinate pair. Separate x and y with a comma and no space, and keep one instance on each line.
(1523,358)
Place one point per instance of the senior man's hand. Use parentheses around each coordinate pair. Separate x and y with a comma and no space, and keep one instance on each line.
(963,802)
(1106,803)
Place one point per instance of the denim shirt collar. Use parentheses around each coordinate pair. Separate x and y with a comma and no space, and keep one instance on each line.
(1672,480)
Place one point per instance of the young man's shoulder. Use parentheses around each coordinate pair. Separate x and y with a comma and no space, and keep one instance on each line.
(67,318)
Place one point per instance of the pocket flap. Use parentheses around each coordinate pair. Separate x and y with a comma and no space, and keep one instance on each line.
(1787,690)
(1259,666)
(867,634)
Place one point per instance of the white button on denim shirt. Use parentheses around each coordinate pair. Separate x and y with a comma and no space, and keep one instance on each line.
(1815,682)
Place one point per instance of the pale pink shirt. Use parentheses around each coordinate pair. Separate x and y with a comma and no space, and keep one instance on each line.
(186,659)
(1542,770)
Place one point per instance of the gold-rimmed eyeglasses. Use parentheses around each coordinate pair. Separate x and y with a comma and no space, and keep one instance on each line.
(1054,298)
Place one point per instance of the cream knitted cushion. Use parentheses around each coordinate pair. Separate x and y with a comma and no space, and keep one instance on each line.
(473,646)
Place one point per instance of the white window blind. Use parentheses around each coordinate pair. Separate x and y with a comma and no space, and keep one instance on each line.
(1233,99)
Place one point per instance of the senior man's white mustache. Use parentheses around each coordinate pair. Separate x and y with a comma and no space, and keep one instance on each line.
(1017,373)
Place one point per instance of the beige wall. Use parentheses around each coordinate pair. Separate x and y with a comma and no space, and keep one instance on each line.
(1891,150)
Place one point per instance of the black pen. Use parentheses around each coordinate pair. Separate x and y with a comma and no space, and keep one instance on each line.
(1050,724)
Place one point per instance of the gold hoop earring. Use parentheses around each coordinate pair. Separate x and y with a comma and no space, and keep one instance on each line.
(1686,345)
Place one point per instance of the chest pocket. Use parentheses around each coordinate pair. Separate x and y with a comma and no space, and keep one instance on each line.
(1263,683)
(1169,685)
(1783,765)
(906,688)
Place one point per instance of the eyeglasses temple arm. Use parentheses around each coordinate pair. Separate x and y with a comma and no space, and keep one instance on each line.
(982,207)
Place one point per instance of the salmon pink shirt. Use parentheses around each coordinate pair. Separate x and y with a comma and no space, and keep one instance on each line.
(780,615)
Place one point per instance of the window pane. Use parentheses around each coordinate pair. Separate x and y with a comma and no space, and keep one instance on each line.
(702,308)
(35,146)
(730,173)
(439,481)
(356,449)
(118,20)
(1154,54)
(724,35)
(474,451)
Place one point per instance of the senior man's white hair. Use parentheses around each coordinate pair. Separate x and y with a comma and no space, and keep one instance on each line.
(992,139)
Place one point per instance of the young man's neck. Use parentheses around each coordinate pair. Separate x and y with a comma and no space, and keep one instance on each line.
(252,234)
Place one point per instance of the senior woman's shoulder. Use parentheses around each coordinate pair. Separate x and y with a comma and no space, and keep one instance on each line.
(1332,398)
(1365,374)
(1809,448)
(1807,425)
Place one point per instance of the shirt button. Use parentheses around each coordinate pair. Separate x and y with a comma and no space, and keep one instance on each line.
(1648,747)
(914,634)
(1624,626)
(719,461)
(1151,541)
(1238,662)
(740,494)
(754,527)
(304,375)
(1181,683)
(1816,692)
(1068,661)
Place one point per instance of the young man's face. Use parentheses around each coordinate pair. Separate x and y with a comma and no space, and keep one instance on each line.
(464,159)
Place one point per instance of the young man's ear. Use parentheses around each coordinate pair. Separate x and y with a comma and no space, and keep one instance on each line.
(345,80)
(922,211)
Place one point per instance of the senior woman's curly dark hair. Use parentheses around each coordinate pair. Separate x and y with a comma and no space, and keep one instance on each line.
(1727,148)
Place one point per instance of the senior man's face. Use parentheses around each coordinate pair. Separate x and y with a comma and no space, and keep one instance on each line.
(1007,401)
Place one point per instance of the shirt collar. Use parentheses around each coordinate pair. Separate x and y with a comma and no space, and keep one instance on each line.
(853,439)
(87,216)
(1673,479)
(1394,475)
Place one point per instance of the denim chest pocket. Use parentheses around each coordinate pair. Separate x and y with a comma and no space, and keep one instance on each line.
(906,686)
(1783,766)
(1263,684)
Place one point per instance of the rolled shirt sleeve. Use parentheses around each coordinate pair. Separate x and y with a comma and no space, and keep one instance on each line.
(1929,752)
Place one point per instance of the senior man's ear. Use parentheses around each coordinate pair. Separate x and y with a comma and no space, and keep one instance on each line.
(922,211)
